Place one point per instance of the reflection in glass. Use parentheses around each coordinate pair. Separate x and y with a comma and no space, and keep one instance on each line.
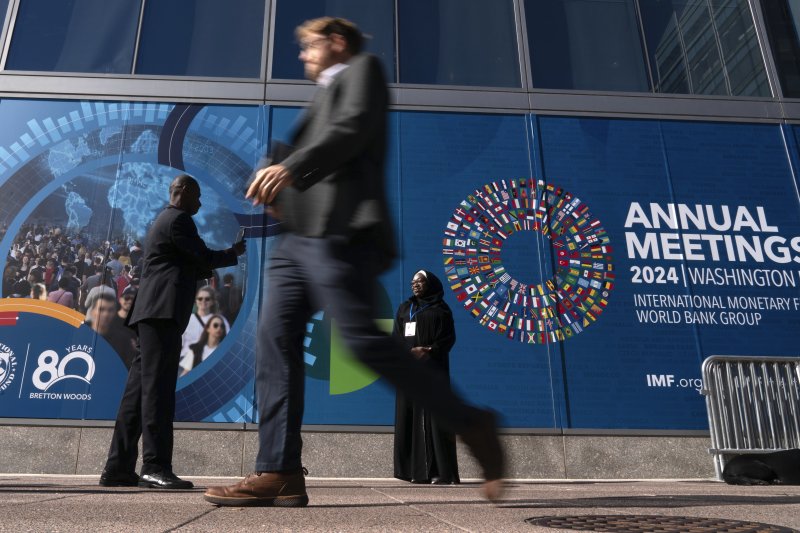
(703,47)
(458,42)
(74,36)
(782,19)
(585,45)
(375,18)
(202,38)
(3,11)
(692,46)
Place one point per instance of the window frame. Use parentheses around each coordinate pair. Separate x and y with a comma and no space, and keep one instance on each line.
(5,47)
(265,40)
(412,97)
(523,63)
(6,38)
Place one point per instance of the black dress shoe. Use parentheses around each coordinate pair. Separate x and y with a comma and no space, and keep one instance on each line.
(443,481)
(111,478)
(163,480)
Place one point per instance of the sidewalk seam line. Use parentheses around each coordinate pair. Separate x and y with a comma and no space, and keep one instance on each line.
(423,511)
(187,522)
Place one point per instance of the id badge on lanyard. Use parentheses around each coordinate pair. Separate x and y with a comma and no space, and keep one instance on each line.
(411,327)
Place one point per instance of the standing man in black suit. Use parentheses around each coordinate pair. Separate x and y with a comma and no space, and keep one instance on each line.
(175,258)
(338,239)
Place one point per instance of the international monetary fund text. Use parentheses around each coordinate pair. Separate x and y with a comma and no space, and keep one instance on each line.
(677,245)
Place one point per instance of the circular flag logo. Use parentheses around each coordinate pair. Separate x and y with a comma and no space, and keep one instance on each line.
(522,310)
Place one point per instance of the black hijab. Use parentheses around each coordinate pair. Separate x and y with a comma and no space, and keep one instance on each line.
(435,292)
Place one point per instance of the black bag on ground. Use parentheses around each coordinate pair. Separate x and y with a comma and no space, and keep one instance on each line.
(773,468)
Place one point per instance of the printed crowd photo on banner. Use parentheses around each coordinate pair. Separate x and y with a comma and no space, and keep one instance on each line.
(88,179)
(591,264)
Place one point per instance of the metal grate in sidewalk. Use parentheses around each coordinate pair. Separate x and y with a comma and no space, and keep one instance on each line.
(654,524)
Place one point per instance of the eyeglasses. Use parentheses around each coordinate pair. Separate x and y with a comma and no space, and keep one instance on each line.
(310,45)
(203,298)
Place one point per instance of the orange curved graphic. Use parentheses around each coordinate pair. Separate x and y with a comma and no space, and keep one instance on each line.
(42,307)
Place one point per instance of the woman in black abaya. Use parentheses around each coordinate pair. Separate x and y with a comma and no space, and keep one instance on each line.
(423,451)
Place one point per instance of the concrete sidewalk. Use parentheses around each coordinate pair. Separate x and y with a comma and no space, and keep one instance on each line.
(77,503)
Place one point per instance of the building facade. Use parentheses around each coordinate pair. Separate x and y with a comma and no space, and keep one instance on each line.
(607,188)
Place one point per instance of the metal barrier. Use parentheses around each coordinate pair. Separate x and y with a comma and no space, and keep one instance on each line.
(753,405)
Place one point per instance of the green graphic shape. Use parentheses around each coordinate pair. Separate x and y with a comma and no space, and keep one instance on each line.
(347,374)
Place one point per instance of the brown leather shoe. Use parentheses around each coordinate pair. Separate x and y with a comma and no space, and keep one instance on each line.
(263,489)
(481,439)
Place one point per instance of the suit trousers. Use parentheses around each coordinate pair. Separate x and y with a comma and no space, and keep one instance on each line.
(332,274)
(147,408)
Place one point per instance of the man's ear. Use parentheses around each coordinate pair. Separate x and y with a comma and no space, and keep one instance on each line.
(338,43)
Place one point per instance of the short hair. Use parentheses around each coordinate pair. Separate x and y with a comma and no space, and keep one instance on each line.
(209,289)
(104,297)
(130,290)
(182,181)
(330,25)
(22,287)
(38,291)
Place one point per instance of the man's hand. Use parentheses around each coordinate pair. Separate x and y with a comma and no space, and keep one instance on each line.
(268,183)
(274,212)
(239,247)
(421,352)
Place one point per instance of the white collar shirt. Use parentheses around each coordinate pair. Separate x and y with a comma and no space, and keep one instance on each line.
(327,76)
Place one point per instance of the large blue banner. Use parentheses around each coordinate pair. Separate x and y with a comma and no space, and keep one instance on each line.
(591,264)
(703,222)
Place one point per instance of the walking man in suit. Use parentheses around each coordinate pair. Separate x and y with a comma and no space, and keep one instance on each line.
(175,258)
(329,193)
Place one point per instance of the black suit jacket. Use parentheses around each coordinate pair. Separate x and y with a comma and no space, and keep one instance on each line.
(338,161)
(175,257)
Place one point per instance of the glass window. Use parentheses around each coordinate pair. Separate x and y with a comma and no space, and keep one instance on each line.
(458,42)
(74,36)
(202,38)
(3,17)
(585,45)
(375,18)
(3,12)
(703,47)
(783,24)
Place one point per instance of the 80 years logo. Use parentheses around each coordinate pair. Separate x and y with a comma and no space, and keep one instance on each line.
(77,364)
(50,370)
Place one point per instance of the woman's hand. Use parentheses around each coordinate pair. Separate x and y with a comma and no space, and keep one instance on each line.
(421,352)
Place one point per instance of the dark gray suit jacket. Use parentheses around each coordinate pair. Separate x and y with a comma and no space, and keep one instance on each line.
(175,258)
(338,161)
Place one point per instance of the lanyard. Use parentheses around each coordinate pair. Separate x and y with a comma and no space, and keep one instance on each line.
(412,314)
